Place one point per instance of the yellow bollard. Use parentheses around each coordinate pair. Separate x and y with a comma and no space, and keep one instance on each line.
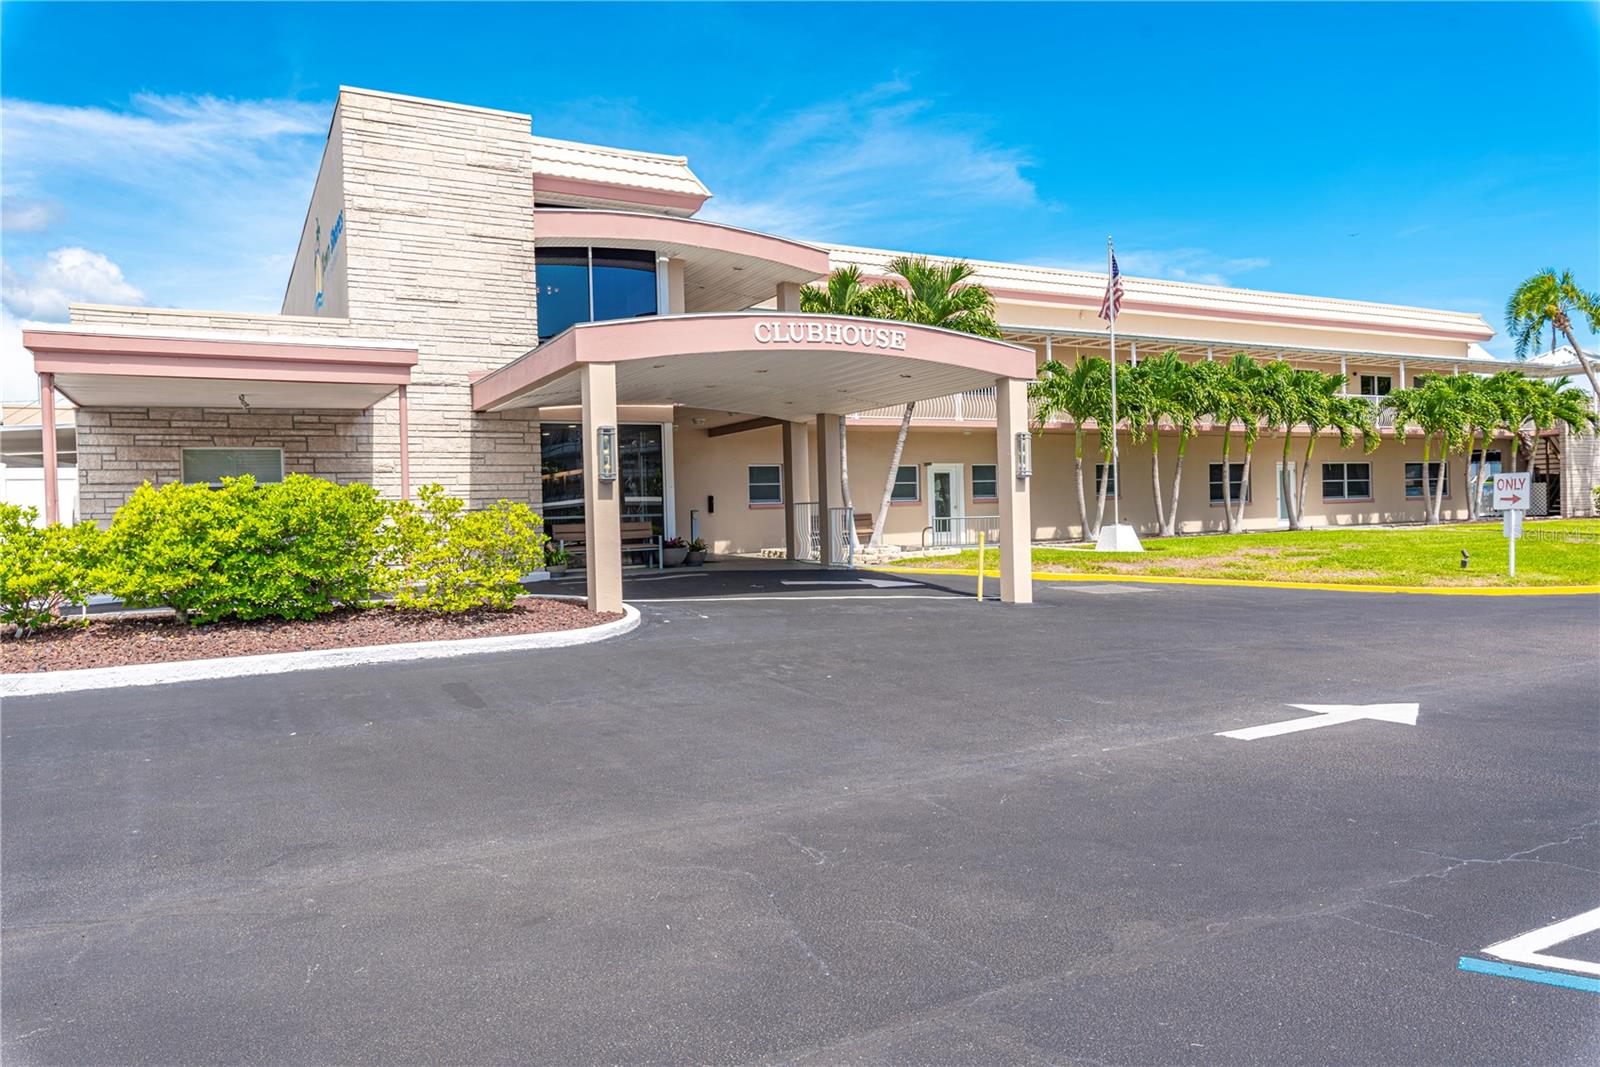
(980,565)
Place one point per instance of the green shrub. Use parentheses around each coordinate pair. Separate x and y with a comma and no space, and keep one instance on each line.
(445,558)
(291,550)
(43,569)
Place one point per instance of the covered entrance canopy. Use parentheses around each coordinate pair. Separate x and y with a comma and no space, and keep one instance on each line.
(105,366)
(782,365)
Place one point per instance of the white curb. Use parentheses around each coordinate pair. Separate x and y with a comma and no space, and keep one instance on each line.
(194,670)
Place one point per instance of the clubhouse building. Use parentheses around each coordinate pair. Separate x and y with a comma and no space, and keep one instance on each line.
(518,317)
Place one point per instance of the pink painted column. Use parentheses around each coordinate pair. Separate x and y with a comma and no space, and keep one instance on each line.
(405,445)
(47,429)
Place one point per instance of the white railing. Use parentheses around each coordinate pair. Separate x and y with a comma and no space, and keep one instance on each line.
(961,531)
(975,405)
(807,524)
(842,534)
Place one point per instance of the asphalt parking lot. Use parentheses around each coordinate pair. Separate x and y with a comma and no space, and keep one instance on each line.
(829,823)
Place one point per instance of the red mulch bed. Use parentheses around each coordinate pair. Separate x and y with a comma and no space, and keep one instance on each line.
(118,642)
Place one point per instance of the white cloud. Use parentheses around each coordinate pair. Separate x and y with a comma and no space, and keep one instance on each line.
(200,198)
(67,276)
(26,216)
(884,160)
(1198,265)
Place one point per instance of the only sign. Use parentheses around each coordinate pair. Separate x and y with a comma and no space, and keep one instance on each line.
(1511,491)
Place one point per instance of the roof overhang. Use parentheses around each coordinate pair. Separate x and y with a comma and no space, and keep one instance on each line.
(102,367)
(777,364)
(725,268)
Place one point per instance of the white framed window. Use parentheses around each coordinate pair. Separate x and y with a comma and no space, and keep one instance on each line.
(1436,473)
(1235,483)
(907,484)
(766,484)
(1347,481)
(1110,474)
(208,466)
(983,483)
(1376,384)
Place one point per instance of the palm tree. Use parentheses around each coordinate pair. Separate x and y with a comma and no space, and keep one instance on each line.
(1286,396)
(1349,416)
(1080,393)
(1236,396)
(1182,391)
(935,294)
(1436,408)
(1552,299)
(1546,403)
(1160,389)
(1138,404)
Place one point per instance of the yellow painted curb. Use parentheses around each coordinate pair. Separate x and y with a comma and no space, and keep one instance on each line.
(1253,583)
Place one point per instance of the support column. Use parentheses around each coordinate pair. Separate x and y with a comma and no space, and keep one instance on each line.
(788,296)
(405,443)
(47,430)
(1016,511)
(601,500)
(829,492)
(796,483)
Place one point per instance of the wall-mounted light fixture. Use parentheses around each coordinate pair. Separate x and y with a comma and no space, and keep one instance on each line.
(1024,454)
(606,446)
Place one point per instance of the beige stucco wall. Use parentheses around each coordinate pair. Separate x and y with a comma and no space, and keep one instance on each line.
(708,466)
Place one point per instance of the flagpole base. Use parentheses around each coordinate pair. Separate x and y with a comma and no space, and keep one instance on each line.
(1118,539)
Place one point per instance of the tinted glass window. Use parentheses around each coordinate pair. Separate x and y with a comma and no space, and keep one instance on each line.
(983,483)
(639,462)
(906,484)
(563,276)
(624,284)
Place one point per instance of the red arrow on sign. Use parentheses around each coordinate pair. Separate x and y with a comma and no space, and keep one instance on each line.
(1514,499)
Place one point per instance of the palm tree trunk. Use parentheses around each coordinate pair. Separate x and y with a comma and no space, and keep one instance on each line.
(1227,483)
(1583,360)
(1244,485)
(1286,480)
(1427,487)
(1155,475)
(1171,529)
(1104,480)
(1077,470)
(1305,474)
(888,486)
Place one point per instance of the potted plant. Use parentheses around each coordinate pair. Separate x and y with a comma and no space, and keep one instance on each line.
(697,553)
(556,561)
(673,551)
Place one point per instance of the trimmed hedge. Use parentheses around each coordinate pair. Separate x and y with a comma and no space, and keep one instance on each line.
(291,550)
(43,569)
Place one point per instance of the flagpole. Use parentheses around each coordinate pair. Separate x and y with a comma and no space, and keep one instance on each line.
(1116,475)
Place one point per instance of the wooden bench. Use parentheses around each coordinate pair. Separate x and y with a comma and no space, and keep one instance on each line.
(638,538)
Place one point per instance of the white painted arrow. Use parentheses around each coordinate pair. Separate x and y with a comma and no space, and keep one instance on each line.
(879,583)
(1328,715)
(1529,947)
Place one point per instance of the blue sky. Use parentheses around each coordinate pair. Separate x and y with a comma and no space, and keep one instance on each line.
(1431,154)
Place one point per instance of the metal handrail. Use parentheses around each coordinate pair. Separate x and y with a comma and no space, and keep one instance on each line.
(960,531)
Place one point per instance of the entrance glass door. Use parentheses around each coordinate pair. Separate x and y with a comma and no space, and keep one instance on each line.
(641,472)
(946,501)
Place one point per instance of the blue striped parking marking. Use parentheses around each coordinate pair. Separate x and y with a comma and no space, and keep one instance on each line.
(1530,974)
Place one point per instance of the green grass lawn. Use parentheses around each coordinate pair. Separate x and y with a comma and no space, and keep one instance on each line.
(1552,552)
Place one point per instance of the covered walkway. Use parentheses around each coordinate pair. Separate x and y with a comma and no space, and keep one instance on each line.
(802,372)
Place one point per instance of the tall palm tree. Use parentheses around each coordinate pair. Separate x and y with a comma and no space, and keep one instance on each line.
(1349,416)
(1237,397)
(1137,403)
(1159,387)
(934,294)
(1436,409)
(1182,390)
(1548,402)
(1549,298)
(1287,394)
(1080,393)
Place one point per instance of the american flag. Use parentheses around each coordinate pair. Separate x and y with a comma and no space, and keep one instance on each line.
(1112,302)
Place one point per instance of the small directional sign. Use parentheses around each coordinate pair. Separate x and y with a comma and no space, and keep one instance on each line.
(1327,715)
(1511,491)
